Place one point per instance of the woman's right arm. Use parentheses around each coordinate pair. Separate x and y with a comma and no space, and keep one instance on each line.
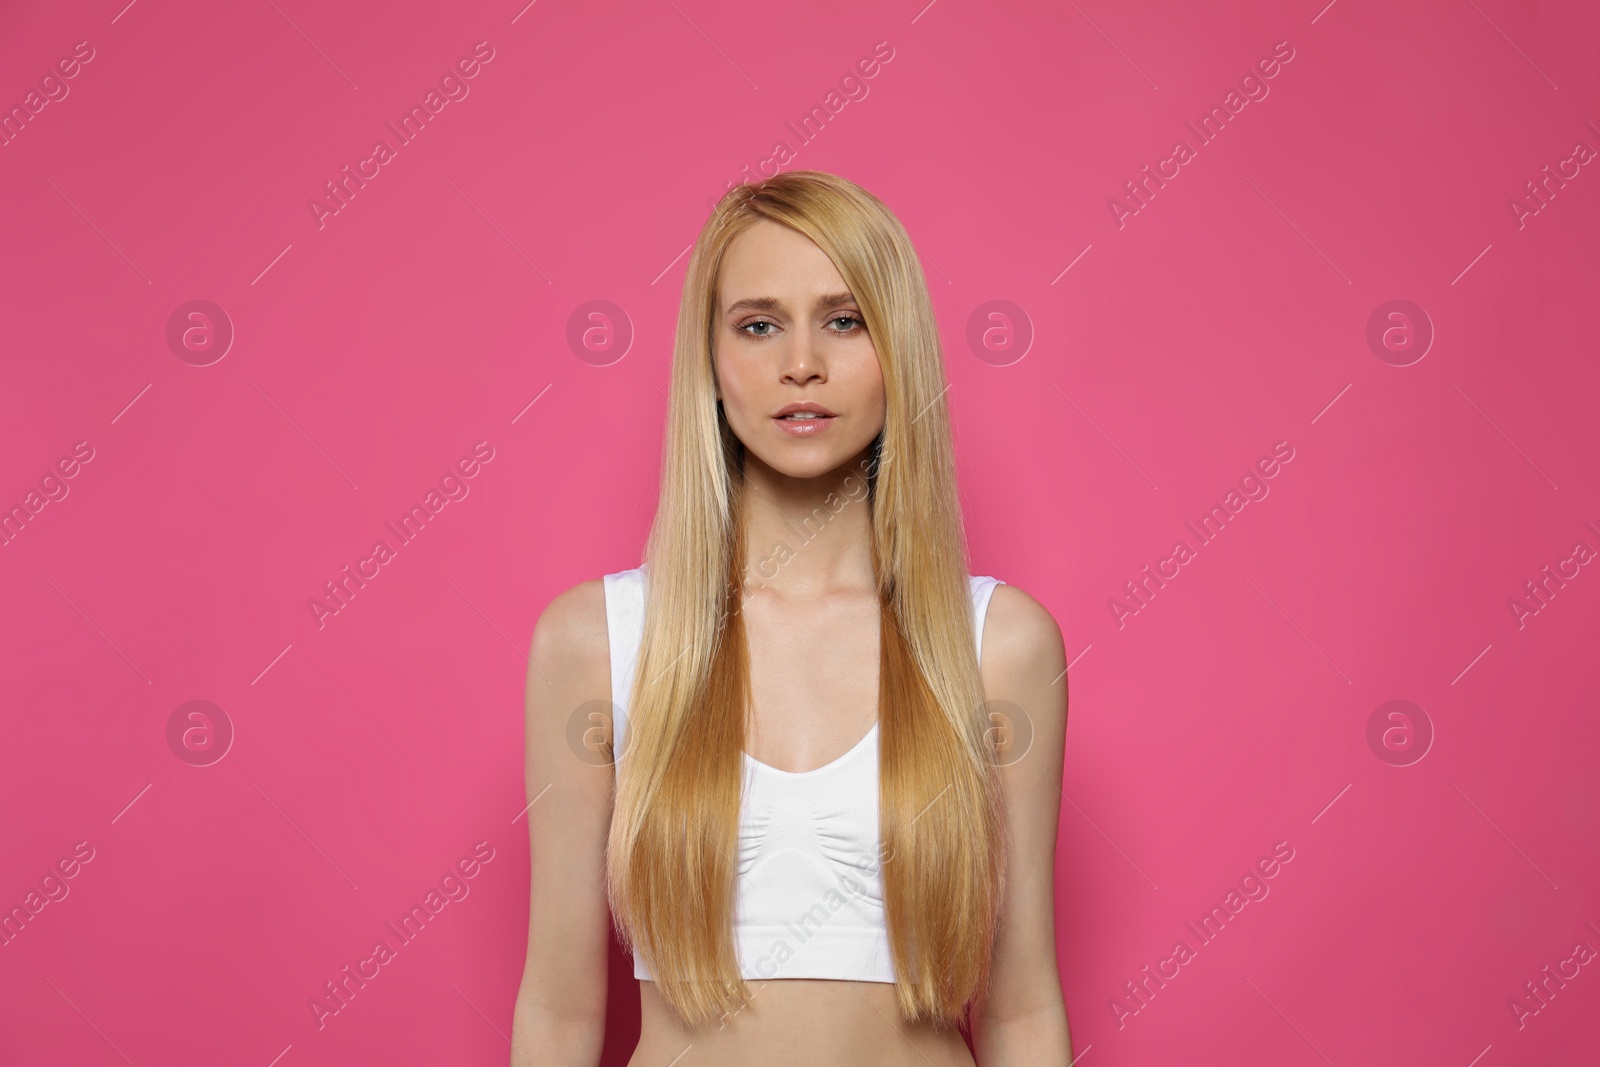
(560,1012)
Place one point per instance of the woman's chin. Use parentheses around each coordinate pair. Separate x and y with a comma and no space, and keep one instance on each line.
(801,462)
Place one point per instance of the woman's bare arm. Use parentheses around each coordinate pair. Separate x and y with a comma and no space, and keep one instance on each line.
(559,1019)
(1024,1023)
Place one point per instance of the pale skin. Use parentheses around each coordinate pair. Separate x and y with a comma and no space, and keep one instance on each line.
(813,637)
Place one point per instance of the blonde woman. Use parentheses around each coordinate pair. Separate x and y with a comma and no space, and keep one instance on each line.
(825,817)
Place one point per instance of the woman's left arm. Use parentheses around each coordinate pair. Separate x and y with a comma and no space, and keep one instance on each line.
(1024,1021)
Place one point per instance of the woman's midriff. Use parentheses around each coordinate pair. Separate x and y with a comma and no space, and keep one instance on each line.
(794,1022)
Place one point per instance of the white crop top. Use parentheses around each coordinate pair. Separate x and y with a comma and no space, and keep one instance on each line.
(809,903)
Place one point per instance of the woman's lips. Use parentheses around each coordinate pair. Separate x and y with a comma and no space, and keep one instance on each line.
(804,427)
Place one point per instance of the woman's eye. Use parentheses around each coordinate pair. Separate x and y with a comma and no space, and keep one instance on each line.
(755,329)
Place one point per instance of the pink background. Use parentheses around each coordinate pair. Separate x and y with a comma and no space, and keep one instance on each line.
(1168,355)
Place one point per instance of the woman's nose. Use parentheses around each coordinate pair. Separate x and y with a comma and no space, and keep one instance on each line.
(801,361)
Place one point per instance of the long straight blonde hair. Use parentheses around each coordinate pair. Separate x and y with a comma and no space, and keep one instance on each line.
(672,865)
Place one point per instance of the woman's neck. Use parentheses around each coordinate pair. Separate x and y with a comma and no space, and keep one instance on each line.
(805,537)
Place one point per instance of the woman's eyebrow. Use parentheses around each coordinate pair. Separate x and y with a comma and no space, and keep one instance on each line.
(772,303)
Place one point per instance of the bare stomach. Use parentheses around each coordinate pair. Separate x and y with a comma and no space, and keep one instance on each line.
(793,1022)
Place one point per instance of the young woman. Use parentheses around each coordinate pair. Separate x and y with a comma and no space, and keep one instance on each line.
(825,817)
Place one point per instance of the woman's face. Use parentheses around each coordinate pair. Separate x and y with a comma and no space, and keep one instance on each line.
(787,331)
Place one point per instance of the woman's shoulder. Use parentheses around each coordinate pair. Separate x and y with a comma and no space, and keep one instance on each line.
(571,630)
(1019,630)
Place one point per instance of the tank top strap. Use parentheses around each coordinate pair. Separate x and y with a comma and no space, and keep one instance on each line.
(982,591)
(625,592)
